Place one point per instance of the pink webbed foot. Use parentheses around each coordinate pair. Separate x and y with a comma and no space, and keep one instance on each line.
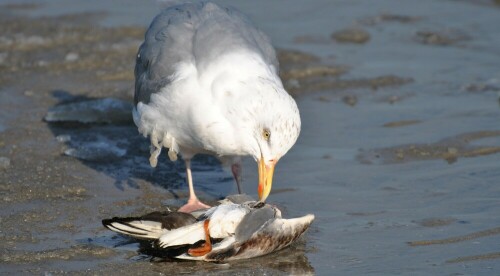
(193,205)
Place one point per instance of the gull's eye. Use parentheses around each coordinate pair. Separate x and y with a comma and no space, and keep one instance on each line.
(266,134)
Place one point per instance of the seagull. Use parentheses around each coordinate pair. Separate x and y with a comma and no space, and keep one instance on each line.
(229,231)
(206,82)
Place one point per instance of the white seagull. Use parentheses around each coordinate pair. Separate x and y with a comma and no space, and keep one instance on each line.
(206,81)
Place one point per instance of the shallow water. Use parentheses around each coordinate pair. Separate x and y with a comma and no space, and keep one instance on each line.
(379,164)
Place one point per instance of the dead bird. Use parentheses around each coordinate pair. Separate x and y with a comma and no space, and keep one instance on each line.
(229,231)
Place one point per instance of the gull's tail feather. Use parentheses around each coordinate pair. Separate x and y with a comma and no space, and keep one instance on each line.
(151,226)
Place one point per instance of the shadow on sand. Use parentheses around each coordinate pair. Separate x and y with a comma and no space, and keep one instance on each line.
(116,148)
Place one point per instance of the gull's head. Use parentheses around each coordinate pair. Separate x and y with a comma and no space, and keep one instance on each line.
(274,129)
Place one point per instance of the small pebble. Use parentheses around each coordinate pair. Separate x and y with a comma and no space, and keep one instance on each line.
(351,100)
(3,58)
(42,63)
(441,38)
(452,150)
(63,138)
(72,57)
(354,35)
(4,163)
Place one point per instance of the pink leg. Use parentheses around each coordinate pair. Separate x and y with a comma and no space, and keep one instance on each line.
(193,203)
(236,169)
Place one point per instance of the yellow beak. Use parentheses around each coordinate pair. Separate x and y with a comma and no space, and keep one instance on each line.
(265,179)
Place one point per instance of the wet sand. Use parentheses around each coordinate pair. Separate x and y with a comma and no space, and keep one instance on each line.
(398,156)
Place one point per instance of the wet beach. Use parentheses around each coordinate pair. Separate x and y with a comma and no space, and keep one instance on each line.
(398,156)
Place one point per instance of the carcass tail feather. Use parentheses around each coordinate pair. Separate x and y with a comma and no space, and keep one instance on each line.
(135,227)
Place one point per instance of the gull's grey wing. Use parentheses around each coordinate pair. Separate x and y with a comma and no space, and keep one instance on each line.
(197,33)
(167,41)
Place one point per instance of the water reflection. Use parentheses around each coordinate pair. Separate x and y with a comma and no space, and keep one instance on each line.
(289,261)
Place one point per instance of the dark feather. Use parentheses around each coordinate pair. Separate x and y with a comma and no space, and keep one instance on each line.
(155,250)
(168,220)
(222,255)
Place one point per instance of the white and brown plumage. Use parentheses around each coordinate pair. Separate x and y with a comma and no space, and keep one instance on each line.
(207,82)
(227,232)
